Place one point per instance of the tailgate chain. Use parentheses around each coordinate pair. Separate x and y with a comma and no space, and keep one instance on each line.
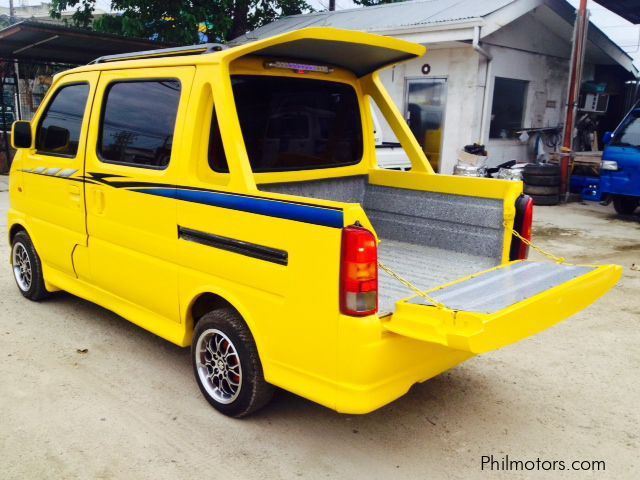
(411,286)
(528,243)
(421,293)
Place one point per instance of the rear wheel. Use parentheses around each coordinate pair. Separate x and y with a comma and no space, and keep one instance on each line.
(227,366)
(27,268)
(625,205)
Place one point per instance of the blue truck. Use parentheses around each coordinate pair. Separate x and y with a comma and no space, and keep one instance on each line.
(620,167)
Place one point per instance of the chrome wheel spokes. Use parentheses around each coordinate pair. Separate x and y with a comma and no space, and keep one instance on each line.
(22,269)
(218,366)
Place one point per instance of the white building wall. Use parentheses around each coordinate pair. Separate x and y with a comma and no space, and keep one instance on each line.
(465,71)
(545,102)
(459,66)
(525,49)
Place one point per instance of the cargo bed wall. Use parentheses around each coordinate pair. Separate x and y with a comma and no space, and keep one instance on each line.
(464,224)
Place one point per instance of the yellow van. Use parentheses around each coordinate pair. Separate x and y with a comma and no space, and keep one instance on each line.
(229,199)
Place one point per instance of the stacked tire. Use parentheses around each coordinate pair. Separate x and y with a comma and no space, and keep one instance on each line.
(542,183)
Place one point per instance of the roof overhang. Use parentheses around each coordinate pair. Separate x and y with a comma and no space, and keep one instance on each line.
(557,15)
(358,52)
(47,42)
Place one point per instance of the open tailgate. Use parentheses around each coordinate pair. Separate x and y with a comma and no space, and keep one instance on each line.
(502,305)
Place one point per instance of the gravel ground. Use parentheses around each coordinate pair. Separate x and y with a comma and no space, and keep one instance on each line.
(129,407)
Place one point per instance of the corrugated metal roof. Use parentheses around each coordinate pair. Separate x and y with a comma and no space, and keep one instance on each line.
(386,17)
(48,42)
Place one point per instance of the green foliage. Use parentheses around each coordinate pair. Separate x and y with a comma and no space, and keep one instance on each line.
(180,21)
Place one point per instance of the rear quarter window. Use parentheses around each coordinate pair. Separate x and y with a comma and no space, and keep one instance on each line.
(297,123)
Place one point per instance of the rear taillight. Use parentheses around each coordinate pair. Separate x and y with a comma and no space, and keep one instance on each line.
(358,272)
(522,224)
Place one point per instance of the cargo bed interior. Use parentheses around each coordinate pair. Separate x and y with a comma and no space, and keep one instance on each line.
(428,238)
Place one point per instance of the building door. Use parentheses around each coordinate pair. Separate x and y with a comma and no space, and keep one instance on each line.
(424,110)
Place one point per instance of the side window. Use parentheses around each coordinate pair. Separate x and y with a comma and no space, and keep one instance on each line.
(507,110)
(138,122)
(217,156)
(59,129)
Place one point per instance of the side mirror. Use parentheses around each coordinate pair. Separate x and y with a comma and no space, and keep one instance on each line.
(21,134)
(606,138)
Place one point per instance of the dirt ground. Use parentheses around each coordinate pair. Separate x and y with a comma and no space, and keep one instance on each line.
(129,407)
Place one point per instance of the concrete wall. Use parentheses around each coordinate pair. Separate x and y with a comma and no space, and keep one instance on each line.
(547,79)
(525,50)
(459,67)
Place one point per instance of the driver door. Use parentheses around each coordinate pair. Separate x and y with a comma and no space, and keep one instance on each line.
(53,171)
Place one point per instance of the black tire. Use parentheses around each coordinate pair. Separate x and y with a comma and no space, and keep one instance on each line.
(225,329)
(27,268)
(541,180)
(542,169)
(545,199)
(541,190)
(625,205)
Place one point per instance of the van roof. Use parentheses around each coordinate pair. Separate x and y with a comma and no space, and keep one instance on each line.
(358,52)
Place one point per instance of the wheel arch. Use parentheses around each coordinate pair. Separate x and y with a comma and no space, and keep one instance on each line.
(209,300)
(14,229)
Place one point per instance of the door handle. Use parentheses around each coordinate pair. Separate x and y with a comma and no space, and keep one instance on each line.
(99,201)
(74,193)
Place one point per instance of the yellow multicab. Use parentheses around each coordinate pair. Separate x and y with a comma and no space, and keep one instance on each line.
(122,249)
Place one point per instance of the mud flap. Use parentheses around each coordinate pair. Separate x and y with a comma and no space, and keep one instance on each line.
(500,306)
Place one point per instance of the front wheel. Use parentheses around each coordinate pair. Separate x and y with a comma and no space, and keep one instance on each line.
(227,366)
(27,268)
(625,205)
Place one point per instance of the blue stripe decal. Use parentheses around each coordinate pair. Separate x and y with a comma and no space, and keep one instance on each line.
(271,208)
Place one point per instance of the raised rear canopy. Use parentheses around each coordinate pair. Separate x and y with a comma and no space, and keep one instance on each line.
(361,53)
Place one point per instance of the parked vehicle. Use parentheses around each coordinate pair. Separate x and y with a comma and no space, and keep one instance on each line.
(184,193)
(620,167)
(390,155)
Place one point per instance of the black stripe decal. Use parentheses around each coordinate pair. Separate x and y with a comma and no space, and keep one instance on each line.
(253,250)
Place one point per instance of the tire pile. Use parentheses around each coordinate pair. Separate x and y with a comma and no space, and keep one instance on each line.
(542,183)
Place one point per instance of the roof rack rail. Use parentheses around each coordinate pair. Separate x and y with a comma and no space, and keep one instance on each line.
(162,52)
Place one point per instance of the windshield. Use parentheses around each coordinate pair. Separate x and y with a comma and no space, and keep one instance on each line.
(628,135)
(298,123)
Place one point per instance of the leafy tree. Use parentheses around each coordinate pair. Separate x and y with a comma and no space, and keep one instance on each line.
(180,21)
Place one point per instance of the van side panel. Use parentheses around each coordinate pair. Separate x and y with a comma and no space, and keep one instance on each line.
(276,259)
(291,305)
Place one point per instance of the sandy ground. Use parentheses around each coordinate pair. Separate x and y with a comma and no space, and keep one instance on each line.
(129,408)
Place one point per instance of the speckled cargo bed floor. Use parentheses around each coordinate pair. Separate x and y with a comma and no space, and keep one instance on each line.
(426,267)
